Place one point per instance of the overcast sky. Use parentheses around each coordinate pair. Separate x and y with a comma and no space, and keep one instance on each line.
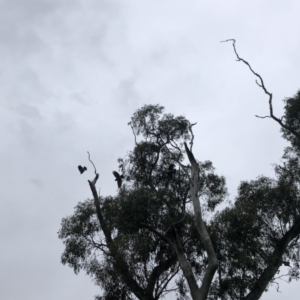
(73,72)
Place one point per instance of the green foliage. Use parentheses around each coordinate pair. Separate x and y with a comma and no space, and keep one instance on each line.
(246,234)
(162,144)
(78,232)
(85,247)
(151,123)
(149,197)
(292,120)
(212,187)
(260,230)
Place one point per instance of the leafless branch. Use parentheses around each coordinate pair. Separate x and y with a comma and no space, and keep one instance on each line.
(92,162)
(282,276)
(97,175)
(262,117)
(261,84)
(98,246)
(164,283)
(277,288)
(95,180)
(192,140)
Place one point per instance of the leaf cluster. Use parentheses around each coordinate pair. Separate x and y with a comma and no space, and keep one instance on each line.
(292,121)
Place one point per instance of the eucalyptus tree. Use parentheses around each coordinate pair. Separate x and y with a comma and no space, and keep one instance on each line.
(155,235)
(260,232)
(150,238)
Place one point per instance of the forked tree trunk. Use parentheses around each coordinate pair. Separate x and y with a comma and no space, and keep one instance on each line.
(202,292)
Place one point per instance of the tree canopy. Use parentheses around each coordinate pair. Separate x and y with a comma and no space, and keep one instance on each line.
(150,204)
(162,233)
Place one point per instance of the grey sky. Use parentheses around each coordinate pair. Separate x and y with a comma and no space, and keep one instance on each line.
(73,72)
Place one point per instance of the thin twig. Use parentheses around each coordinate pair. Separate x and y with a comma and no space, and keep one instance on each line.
(262,117)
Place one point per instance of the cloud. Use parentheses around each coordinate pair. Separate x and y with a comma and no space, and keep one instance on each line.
(72,72)
(28,111)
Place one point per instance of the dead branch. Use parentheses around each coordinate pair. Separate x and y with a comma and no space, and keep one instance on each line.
(97,175)
(262,85)
(92,162)
(192,134)
(262,117)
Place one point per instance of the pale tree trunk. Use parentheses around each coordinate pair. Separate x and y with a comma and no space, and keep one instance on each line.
(197,293)
(202,292)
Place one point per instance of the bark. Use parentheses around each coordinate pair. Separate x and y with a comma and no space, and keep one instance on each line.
(183,262)
(205,238)
(196,292)
(187,270)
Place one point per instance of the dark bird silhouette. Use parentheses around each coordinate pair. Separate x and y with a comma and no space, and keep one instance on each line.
(81,169)
(118,178)
(170,173)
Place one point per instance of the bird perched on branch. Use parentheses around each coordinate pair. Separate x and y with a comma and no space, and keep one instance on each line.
(118,178)
(170,173)
(82,169)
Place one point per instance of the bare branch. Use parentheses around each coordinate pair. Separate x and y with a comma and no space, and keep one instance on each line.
(262,117)
(92,162)
(97,175)
(192,140)
(162,288)
(95,179)
(277,288)
(261,84)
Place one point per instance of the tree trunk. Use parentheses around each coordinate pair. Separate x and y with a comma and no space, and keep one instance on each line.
(205,238)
